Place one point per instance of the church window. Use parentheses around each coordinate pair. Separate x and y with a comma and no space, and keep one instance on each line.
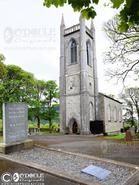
(88,53)
(73,49)
(115,114)
(120,115)
(109,113)
(91,112)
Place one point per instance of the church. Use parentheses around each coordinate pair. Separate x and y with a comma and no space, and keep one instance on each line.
(83,110)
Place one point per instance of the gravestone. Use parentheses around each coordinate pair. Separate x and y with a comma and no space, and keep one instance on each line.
(15,127)
(128,135)
(132,130)
(15,118)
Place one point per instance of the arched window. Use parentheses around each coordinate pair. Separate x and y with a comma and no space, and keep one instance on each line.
(115,114)
(73,50)
(120,115)
(91,112)
(109,113)
(88,53)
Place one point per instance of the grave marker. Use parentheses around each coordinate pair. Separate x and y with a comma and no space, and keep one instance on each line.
(15,118)
(15,128)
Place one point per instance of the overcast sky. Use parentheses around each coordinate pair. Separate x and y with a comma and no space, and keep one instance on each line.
(29,38)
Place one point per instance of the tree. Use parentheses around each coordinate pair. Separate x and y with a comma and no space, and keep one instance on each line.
(3,70)
(17,85)
(128,9)
(2,57)
(131,98)
(51,98)
(134,96)
(122,56)
(38,105)
(129,114)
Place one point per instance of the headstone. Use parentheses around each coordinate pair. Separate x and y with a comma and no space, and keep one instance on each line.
(96,171)
(15,118)
(128,135)
(132,130)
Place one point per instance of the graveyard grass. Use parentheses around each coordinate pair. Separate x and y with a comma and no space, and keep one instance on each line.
(34,125)
(118,137)
(31,124)
(115,136)
(44,126)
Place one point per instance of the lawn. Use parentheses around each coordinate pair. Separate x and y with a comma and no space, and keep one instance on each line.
(115,136)
(43,126)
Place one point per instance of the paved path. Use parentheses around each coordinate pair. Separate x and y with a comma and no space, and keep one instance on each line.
(91,145)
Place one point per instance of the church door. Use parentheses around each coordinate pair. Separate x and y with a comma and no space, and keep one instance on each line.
(74,128)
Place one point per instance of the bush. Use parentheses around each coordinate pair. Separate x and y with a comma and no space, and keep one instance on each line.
(42,126)
(32,124)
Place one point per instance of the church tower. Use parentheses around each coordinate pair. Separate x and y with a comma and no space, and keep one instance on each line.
(78,78)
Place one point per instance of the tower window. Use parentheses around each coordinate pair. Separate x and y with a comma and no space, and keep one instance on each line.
(88,53)
(73,52)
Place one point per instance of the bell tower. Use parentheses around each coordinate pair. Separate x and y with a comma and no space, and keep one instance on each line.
(78,78)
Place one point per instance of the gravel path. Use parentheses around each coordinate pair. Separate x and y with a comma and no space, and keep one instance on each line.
(69,164)
(12,167)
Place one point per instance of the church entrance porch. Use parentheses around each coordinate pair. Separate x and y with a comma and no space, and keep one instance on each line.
(73,126)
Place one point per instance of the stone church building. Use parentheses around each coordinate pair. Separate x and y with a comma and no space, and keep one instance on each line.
(82,109)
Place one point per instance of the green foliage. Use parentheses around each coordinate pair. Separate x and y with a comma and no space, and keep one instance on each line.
(84,6)
(37,107)
(129,15)
(2,57)
(43,126)
(130,123)
(117,3)
(51,98)
(3,71)
(128,9)
(116,136)
(131,106)
(17,85)
(88,12)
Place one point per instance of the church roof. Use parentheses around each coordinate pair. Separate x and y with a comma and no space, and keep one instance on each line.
(109,97)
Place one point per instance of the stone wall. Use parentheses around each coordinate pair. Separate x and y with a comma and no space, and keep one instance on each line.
(110,111)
